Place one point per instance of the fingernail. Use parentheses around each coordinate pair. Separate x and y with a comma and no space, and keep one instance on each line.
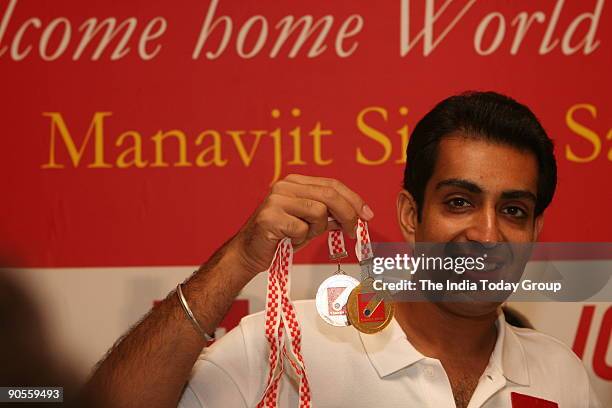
(367,212)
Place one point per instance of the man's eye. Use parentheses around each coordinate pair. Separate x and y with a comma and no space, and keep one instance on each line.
(516,212)
(458,203)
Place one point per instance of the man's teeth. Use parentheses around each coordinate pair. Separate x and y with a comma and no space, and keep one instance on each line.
(491,266)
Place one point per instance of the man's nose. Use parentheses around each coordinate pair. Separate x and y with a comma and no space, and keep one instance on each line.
(485,228)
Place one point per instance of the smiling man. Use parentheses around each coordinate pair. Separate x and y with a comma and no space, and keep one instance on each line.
(480,172)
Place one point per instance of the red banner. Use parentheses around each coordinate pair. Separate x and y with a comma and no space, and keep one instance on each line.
(145,133)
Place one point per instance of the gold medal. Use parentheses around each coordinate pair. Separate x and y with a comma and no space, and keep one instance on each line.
(369,310)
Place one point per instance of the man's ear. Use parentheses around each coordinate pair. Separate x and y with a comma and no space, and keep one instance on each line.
(538,224)
(407,215)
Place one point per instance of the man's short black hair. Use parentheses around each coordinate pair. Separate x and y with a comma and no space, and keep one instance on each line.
(485,115)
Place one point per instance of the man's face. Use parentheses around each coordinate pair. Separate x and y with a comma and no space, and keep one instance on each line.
(480,193)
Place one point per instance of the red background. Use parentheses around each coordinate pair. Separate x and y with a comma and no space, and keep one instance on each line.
(178,216)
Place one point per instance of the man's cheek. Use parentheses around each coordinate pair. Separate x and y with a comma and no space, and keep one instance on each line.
(436,227)
(515,233)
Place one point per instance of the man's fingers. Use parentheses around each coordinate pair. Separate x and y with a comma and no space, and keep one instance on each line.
(358,204)
(299,207)
(313,212)
(337,205)
(286,225)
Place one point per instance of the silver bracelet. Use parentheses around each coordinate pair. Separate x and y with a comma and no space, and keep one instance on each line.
(189,313)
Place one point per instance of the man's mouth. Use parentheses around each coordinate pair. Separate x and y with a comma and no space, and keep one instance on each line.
(491,265)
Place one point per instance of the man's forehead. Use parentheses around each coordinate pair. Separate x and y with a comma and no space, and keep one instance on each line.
(494,167)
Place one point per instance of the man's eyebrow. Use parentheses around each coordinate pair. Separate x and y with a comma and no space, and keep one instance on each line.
(475,188)
(518,194)
(461,183)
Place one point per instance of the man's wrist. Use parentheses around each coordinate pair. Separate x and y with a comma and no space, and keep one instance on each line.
(238,259)
(232,261)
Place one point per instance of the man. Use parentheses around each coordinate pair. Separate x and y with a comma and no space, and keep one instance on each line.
(480,170)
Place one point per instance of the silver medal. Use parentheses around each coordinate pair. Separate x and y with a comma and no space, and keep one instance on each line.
(332,296)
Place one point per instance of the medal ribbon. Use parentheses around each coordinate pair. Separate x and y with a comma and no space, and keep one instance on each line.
(281,320)
(363,247)
(335,243)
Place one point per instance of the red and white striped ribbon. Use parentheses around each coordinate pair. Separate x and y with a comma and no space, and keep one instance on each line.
(363,247)
(281,322)
(282,329)
(335,243)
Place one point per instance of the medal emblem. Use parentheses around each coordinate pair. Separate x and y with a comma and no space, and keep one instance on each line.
(369,310)
(332,296)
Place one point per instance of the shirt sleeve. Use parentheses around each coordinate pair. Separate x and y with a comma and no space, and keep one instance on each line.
(220,377)
(211,387)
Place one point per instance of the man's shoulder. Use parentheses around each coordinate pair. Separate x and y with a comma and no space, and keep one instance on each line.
(548,354)
(537,341)
(240,357)
(242,353)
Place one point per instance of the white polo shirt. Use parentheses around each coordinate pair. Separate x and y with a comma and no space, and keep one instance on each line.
(347,368)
